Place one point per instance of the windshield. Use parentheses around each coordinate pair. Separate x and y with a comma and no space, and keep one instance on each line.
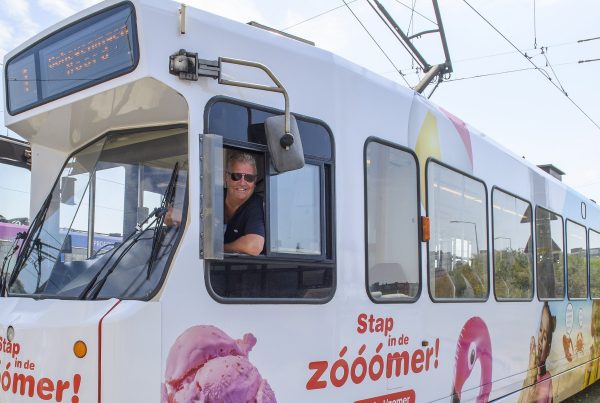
(110,223)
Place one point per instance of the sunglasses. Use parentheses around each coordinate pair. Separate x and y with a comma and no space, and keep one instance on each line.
(236,176)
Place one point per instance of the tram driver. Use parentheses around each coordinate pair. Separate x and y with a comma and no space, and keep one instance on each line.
(243,208)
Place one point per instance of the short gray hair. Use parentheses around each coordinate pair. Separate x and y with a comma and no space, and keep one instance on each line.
(241,157)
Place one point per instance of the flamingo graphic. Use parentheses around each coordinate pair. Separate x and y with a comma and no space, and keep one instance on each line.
(474,344)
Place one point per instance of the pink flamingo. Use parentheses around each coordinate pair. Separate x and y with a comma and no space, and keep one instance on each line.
(474,344)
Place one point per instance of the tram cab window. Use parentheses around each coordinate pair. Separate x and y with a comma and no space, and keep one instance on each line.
(576,261)
(297,262)
(108,228)
(14,211)
(458,258)
(594,238)
(550,259)
(513,250)
(392,233)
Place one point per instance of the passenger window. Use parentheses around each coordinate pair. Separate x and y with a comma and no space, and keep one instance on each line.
(297,263)
(576,261)
(457,206)
(392,232)
(550,259)
(594,264)
(513,250)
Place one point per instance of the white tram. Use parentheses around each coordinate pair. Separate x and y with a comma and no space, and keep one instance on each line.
(408,258)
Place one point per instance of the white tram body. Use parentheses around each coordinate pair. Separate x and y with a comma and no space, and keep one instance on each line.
(355,298)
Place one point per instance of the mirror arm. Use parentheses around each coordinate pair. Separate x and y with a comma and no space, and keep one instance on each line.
(187,66)
(288,139)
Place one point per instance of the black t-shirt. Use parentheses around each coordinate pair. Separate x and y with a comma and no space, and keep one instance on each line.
(249,218)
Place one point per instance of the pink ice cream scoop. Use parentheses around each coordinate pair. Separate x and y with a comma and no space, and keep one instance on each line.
(229,379)
(206,365)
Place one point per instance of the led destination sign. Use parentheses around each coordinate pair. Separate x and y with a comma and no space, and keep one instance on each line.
(86,53)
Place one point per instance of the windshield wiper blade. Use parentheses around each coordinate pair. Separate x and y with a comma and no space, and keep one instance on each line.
(166,202)
(95,286)
(28,236)
(98,286)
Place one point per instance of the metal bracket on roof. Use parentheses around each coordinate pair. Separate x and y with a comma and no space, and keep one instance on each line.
(432,72)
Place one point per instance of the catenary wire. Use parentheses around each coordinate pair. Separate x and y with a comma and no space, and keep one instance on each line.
(377,43)
(317,16)
(548,64)
(534,27)
(416,12)
(343,5)
(532,63)
(492,55)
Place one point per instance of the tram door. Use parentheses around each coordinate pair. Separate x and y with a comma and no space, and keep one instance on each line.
(15,181)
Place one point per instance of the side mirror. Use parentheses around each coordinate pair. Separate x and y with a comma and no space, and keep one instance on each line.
(285,147)
(67,190)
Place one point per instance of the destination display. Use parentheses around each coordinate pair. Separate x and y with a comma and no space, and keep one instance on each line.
(86,53)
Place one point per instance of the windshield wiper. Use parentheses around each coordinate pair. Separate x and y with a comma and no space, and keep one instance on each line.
(93,288)
(138,232)
(167,201)
(28,236)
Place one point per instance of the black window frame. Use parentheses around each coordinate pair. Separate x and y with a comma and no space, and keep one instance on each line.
(58,34)
(327,259)
(537,283)
(487,238)
(374,139)
(532,252)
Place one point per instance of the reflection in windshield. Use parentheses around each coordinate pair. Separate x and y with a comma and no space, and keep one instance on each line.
(103,230)
(14,212)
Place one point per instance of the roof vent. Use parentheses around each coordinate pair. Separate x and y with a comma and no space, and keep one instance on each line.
(552,170)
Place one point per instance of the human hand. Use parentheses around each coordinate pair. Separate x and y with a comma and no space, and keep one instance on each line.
(532,365)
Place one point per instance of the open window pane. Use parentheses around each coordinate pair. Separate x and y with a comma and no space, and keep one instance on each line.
(297,264)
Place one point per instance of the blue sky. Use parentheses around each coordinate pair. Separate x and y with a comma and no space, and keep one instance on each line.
(522,111)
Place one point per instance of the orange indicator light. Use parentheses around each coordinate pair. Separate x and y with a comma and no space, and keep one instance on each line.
(425,229)
(79,349)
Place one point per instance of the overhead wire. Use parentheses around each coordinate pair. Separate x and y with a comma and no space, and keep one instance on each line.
(548,64)
(343,5)
(416,12)
(534,27)
(536,67)
(317,16)
(511,52)
(589,39)
(412,16)
(410,25)
(497,73)
(377,43)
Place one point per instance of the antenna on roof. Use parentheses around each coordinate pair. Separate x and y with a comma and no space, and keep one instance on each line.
(437,70)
